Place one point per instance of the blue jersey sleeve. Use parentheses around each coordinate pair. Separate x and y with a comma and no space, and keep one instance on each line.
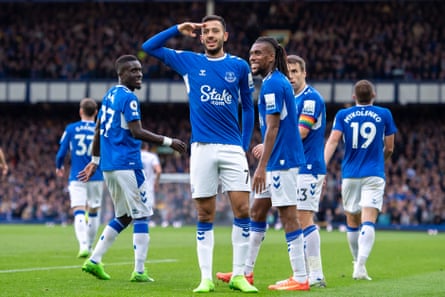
(390,128)
(154,45)
(63,148)
(246,90)
(175,59)
(131,108)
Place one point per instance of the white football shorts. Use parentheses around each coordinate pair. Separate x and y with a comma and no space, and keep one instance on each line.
(281,187)
(86,194)
(362,192)
(309,189)
(129,192)
(212,163)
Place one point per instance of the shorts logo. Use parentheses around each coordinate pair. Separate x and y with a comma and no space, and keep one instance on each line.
(143,196)
(276,181)
(312,191)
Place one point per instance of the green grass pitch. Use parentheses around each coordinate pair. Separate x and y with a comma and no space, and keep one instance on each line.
(38,260)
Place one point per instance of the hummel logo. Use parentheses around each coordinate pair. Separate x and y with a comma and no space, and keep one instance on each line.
(202,72)
(200,235)
(143,197)
(276,181)
(246,232)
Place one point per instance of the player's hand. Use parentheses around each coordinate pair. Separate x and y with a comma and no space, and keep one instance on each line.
(257,150)
(188,28)
(259,180)
(178,145)
(87,172)
(60,172)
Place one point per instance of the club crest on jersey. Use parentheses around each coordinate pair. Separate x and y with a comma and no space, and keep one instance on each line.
(230,77)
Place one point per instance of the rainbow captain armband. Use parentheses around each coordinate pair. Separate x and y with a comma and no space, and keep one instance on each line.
(95,160)
(167,141)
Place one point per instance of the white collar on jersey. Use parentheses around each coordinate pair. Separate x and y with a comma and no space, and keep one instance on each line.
(302,91)
(216,59)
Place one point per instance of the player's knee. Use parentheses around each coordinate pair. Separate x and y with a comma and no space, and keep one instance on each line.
(205,214)
(258,214)
(241,211)
(125,220)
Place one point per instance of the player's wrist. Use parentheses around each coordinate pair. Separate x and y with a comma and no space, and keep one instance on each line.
(95,160)
(167,141)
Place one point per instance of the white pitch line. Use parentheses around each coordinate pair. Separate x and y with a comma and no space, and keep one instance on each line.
(77,266)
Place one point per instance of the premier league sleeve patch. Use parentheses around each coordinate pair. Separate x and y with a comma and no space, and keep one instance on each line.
(270,101)
(309,107)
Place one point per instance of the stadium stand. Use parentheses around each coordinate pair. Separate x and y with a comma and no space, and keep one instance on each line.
(339,40)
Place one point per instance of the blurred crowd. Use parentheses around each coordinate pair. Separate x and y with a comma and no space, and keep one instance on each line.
(31,192)
(339,40)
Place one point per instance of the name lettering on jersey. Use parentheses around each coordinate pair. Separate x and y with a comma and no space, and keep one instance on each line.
(209,93)
(309,107)
(202,72)
(230,77)
(270,101)
(89,128)
(134,107)
(362,113)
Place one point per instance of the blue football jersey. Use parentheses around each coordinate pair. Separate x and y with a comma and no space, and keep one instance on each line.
(276,97)
(364,129)
(119,150)
(312,115)
(215,87)
(78,139)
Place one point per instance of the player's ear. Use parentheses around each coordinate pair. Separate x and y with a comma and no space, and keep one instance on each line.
(226,36)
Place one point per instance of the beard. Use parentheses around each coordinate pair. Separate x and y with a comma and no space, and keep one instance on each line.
(214,51)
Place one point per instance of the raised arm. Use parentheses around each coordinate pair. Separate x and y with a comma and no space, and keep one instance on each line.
(154,44)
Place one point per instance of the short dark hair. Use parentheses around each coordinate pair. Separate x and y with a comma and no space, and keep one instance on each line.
(88,106)
(294,59)
(214,17)
(122,60)
(364,91)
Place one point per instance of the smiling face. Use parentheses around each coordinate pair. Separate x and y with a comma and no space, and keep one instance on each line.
(131,75)
(213,36)
(262,58)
